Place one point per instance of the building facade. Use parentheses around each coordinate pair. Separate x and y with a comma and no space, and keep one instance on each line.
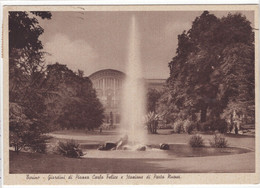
(108,84)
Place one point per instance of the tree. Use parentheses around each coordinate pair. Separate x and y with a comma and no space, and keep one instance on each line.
(237,71)
(73,103)
(191,68)
(153,97)
(238,83)
(26,61)
(111,117)
(18,126)
(213,70)
(167,107)
(24,30)
(81,115)
(26,77)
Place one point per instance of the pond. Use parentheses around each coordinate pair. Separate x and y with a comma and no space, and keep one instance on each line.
(153,152)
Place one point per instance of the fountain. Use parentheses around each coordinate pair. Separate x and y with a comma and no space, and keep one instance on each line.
(132,129)
(133,105)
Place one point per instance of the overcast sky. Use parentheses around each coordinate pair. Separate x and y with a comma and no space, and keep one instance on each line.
(91,41)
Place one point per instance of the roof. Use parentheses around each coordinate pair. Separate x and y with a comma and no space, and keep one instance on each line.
(106,72)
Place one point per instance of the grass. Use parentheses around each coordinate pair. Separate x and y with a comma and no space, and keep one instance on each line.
(38,163)
(51,163)
(34,163)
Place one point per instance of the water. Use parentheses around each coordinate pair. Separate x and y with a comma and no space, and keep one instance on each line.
(176,151)
(134,101)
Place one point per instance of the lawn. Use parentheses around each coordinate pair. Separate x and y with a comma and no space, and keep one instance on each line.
(51,163)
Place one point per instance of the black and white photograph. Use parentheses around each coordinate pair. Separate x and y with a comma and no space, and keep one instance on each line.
(96,93)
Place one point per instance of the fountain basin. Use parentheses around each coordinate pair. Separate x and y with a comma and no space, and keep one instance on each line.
(154,152)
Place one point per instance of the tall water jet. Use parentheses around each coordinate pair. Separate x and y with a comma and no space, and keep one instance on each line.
(134,103)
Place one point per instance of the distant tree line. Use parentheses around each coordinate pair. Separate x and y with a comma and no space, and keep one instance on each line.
(212,74)
(43,98)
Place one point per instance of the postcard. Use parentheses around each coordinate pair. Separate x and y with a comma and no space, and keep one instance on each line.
(131,94)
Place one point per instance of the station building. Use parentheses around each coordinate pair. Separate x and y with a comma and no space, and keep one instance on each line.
(108,84)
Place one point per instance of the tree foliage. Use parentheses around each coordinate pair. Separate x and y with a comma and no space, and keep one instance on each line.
(41,96)
(26,76)
(153,97)
(73,102)
(151,120)
(212,72)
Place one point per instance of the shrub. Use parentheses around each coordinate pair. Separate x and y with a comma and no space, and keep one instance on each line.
(188,126)
(220,125)
(151,120)
(69,149)
(205,126)
(178,126)
(24,133)
(219,141)
(39,144)
(196,141)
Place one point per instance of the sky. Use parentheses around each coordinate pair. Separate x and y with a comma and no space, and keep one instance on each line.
(91,41)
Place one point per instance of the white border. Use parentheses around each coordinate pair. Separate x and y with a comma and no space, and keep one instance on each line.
(1,118)
(107,2)
(130,2)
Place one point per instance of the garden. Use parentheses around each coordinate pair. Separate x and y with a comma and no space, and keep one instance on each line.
(203,120)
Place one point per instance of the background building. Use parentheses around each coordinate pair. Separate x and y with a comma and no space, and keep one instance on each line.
(108,85)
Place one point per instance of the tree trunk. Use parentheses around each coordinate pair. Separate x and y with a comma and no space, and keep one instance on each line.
(152,127)
(16,149)
(149,128)
(155,126)
(231,123)
(203,114)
